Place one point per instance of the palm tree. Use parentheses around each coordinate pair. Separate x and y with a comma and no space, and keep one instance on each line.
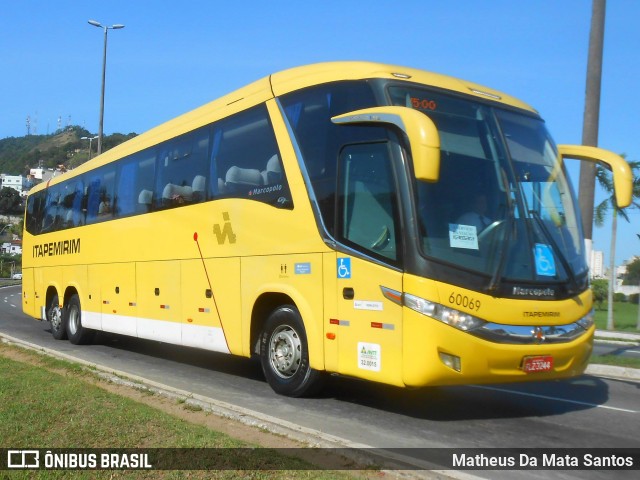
(606,182)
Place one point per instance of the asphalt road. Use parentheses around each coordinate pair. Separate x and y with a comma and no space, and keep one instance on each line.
(622,349)
(587,412)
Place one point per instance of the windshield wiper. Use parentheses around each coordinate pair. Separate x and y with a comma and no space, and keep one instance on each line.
(554,245)
(497,274)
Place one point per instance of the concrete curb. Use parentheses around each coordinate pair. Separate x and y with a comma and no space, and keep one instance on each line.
(615,335)
(610,371)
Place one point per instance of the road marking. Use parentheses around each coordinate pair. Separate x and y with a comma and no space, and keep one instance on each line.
(557,399)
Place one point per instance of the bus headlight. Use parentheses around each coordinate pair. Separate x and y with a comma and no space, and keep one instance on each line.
(450,316)
(587,321)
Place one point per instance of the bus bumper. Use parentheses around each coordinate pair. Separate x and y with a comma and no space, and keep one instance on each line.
(438,354)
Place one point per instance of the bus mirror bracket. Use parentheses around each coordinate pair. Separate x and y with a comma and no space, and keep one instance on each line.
(622,175)
(422,133)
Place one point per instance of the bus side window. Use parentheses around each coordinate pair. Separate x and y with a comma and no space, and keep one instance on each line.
(183,170)
(368,212)
(77,212)
(126,196)
(101,194)
(248,161)
(309,113)
(50,219)
(146,162)
(35,212)
(272,174)
(93,199)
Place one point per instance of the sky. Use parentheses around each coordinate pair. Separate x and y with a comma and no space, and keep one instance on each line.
(173,56)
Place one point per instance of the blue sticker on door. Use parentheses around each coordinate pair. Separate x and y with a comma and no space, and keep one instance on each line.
(344,268)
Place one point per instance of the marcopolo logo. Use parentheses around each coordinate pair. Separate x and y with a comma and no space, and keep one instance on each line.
(533,292)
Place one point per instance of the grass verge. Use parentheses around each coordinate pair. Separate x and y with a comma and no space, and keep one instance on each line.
(616,360)
(49,403)
(625,317)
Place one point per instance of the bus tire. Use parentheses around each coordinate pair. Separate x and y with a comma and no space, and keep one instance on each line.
(284,354)
(78,335)
(56,319)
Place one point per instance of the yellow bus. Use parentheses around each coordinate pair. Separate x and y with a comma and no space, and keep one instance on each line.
(361,219)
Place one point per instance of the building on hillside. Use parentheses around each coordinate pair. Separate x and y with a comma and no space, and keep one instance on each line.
(12,181)
(13,248)
(36,174)
(39,175)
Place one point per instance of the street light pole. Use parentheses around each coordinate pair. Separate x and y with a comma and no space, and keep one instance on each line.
(104,73)
(90,140)
(587,179)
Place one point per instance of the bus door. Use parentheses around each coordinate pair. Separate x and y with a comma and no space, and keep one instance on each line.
(368,277)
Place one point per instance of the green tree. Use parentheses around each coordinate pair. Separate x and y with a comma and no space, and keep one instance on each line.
(632,276)
(599,288)
(10,200)
(114,140)
(19,154)
(10,264)
(606,182)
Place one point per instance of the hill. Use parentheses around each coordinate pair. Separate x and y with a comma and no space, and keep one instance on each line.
(19,154)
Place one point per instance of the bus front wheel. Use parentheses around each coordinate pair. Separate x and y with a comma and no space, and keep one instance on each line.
(78,335)
(56,319)
(284,354)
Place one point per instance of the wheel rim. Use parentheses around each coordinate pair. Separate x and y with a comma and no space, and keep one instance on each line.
(285,351)
(55,317)
(74,320)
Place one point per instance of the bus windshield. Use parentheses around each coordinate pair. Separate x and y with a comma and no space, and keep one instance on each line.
(502,206)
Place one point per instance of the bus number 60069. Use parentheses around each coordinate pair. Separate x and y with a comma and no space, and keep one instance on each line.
(464,301)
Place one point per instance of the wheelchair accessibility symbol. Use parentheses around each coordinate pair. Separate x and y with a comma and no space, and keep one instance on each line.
(545,264)
(344,268)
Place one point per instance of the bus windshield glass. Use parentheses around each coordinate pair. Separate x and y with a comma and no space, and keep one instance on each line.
(502,206)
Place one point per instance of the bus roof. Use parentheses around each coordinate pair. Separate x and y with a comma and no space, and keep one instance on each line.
(279,84)
(301,77)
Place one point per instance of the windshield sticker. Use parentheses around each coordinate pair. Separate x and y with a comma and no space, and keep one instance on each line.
(463,236)
(545,264)
(369,356)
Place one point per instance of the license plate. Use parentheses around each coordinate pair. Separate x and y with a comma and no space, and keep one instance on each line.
(538,364)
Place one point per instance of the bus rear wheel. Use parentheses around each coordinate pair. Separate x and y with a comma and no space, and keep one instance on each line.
(284,354)
(78,335)
(56,319)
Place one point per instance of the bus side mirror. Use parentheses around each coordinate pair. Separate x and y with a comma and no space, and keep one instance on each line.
(622,175)
(423,136)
